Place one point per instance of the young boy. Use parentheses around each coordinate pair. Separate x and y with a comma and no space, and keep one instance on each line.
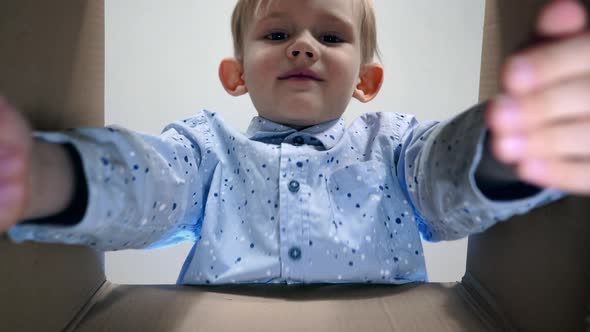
(299,197)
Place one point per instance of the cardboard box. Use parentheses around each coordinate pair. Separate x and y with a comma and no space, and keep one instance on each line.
(531,273)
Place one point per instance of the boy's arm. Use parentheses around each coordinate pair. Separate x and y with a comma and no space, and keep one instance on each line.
(440,167)
(143,190)
(35,176)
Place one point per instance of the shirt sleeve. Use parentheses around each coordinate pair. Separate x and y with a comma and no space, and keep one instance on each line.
(437,163)
(143,191)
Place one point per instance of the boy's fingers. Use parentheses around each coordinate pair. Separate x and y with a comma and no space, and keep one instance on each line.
(568,100)
(14,142)
(562,18)
(14,130)
(547,64)
(566,140)
(572,176)
(563,140)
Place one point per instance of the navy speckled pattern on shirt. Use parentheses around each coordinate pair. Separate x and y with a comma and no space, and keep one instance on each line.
(324,204)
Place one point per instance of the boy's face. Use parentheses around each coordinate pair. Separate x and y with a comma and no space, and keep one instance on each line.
(301,60)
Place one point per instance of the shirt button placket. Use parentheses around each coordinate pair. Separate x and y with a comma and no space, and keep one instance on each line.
(292,216)
(294,251)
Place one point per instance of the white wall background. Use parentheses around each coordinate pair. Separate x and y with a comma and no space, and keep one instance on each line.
(161,65)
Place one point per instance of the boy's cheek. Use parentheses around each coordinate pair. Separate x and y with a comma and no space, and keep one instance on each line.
(257,72)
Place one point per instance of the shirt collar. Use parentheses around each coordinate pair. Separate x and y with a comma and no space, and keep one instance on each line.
(324,135)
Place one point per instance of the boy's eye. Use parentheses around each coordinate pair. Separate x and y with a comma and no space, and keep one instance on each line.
(331,39)
(277,36)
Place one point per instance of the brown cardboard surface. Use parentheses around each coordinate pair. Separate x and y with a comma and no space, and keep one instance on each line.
(507,25)
(52,68)
(414,307)
(44,286)
(52,61)
(536,266)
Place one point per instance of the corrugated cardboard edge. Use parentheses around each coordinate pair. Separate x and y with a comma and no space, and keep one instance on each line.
(314,307)
(483,304)
(102,292)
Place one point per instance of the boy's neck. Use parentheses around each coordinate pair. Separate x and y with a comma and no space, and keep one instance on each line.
(296,127)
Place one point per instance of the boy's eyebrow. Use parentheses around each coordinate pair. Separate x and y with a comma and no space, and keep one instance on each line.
(337,19)
(325,16)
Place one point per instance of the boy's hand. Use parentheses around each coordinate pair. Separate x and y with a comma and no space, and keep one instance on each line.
(15,154)
(542,123)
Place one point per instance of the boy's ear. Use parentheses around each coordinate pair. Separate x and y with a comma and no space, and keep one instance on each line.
(371,78)
(231,73)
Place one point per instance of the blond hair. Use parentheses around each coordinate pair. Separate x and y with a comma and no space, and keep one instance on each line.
(246,9)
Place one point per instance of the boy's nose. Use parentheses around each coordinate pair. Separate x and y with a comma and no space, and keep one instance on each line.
(303,48)
(309,54)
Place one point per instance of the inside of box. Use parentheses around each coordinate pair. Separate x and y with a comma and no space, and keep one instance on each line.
(519,275)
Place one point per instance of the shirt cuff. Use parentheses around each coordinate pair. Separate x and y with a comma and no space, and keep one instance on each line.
(79,222)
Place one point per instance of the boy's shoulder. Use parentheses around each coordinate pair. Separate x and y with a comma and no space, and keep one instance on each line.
(202,117)
(203,121)
(383,121)
(388,117)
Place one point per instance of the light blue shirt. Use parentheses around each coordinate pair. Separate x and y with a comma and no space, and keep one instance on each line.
(324,204)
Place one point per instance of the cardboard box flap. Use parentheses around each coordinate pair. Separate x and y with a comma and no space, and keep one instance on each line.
(412,307)
(536,266)
(52,61)
(52,69)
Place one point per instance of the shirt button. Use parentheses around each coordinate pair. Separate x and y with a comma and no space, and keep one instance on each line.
(294,186)
(298,140)
(295,253)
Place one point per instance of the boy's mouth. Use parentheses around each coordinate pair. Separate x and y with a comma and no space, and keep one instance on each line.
(300,75)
